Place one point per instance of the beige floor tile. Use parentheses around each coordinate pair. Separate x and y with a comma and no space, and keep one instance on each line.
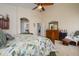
(66,50)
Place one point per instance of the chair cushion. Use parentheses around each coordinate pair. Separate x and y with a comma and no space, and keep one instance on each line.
(66,41)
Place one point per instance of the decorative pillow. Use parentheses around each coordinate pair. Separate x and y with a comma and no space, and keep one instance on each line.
(2,38)
(9,37)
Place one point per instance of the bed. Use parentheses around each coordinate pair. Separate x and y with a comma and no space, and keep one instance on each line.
(27,45)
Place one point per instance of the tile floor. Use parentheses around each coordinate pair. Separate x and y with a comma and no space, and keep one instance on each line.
(66,50)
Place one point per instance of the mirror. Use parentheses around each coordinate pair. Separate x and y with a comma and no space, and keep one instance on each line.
(53,25)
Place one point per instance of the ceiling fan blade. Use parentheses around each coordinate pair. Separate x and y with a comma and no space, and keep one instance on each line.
(35,8)
(47,4)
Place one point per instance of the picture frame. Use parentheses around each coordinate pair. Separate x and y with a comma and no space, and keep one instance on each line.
(53,25)
(4,22)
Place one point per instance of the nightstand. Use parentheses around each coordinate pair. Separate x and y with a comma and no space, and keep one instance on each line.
(52,35)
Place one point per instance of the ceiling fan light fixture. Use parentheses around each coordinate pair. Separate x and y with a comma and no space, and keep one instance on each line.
(39,7)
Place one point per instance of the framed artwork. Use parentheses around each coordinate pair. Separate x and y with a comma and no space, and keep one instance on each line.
(4,23)
(53,25)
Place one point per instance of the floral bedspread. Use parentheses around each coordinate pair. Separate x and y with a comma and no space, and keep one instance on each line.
(28,45)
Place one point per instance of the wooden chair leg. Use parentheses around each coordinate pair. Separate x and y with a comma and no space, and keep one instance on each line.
(78,43)
(72,43)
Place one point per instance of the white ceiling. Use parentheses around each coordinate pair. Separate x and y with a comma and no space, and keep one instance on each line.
(30,5)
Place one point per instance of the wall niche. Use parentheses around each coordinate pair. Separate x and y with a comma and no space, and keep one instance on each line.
(24,25)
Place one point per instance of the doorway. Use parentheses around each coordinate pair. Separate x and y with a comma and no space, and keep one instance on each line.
(39,29)
(24,25)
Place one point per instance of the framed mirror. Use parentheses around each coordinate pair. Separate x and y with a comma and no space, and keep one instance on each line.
(53,25)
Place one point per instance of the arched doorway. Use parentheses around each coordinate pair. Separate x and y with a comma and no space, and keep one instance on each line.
(24,25)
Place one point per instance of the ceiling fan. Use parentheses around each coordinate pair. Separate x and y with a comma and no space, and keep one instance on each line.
(41,6)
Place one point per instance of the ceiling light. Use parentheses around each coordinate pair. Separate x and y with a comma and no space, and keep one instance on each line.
(39,7)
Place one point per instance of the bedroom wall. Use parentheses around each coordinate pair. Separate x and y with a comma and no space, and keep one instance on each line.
(11,11)
(66,14)
(32,16)
(15,12)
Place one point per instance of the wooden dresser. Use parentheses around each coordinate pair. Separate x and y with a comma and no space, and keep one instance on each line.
(52,34)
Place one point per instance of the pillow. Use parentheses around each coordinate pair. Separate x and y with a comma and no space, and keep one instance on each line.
(2,38)
(9,37)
